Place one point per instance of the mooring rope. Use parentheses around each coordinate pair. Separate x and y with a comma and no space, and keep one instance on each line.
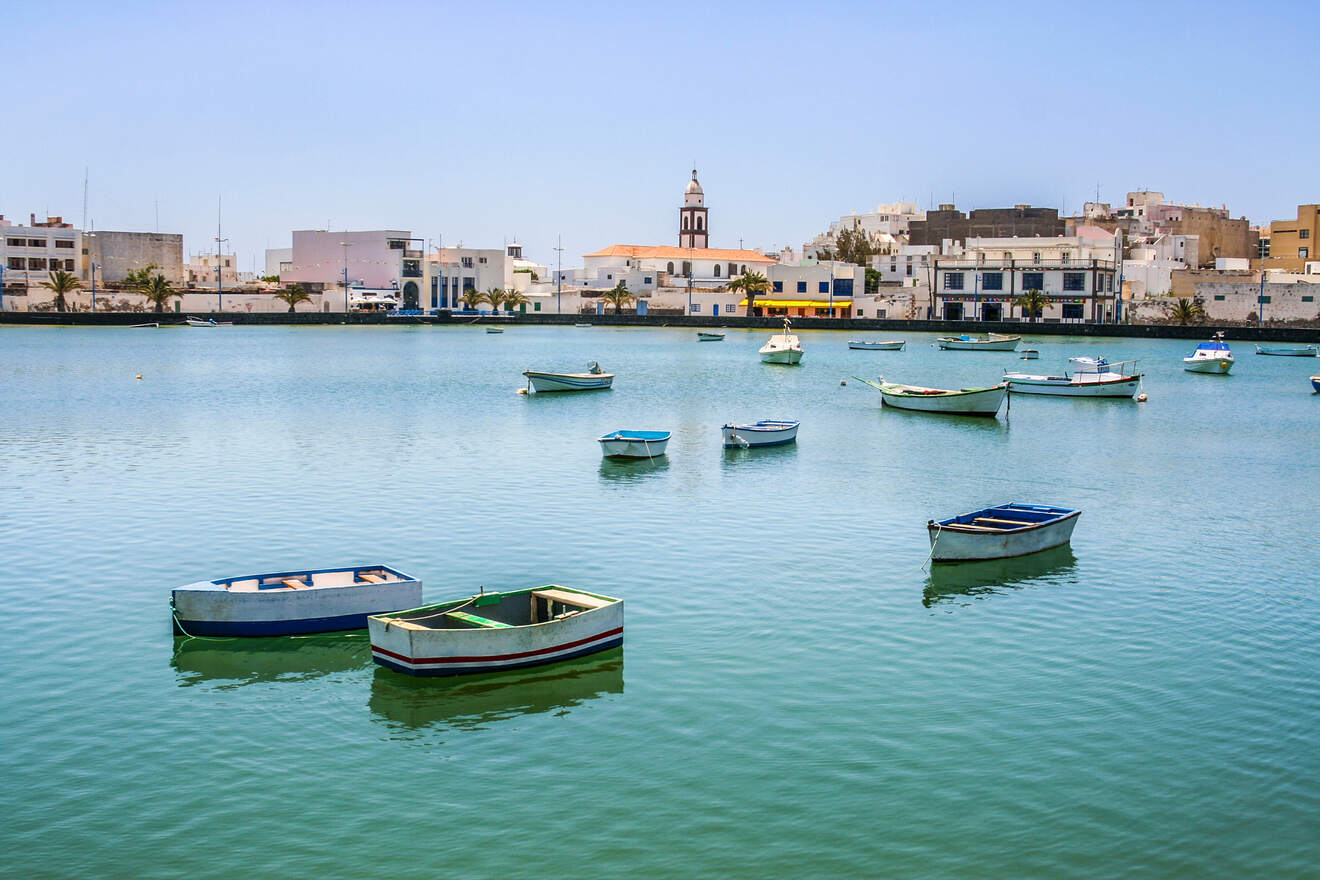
(939,530)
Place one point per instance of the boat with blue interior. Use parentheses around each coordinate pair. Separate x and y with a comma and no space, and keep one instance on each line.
(766,432)
(988,342)
(1000,532)
(634,444)
(490,632)
(1213,356)
(292,602)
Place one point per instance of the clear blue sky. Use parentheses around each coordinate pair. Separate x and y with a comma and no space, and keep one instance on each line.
(485,121)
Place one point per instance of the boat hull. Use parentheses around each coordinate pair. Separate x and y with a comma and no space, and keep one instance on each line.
(788,356)
(710,337)
(447,652)
(208,608)
(624,446)
(546,382)
(1062,386)
(951,545)
(877,346)
(984,402)
(756,436)
(1009,344)
(1220,366)
(1307,352)
(1315,382)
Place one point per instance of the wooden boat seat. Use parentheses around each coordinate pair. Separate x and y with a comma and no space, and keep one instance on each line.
(475,620)
(372,578)
(1014,523)
(566,598)
(295,584)
(977,528)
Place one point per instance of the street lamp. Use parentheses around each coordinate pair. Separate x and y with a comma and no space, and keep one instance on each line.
(346,245)
(91,250)
(95,266)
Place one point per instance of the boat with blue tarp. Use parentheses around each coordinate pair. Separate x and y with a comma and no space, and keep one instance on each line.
(634,444)
(1213,356)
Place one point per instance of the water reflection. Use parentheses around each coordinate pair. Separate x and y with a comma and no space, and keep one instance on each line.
(238,662)
(760,457)
(632,470)
(956,421)
(951,581)
(470,701)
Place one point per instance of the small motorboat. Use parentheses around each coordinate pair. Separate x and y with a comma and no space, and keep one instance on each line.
(207,322)
(496,631)
(886,345)
(1090,377)
(1001,532)
(1029,354)
(494,329)
(291,602)
(962,401)
(634,444)
(595,379)
(1308,351)
(989,342)
(709,337)
(783,348)
(766,432)
(1210,357)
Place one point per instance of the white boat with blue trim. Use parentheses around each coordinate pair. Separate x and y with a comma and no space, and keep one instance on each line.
(490,632)
(877,345)
(292,602)
(989,342)
(595,379)
(634,444)
(206,322)
(1090,377)
(1001,532)
(1306,351)
(766,432)
(1210,357)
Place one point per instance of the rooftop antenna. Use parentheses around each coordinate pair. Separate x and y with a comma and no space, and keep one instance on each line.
(84,219)
(219,243)
(157,215)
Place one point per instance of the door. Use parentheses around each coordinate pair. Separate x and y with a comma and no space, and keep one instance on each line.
(992,312)
(953,311)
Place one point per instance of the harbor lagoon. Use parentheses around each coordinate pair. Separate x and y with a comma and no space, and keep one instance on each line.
(796,696)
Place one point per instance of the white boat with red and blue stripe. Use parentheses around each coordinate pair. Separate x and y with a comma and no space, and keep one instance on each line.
(490,632)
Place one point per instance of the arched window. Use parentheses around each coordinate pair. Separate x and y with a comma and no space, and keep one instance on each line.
(699,222)
(717,270)
(685,223)
(744,270)
(669,267)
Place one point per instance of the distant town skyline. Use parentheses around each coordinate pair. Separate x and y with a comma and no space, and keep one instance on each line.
(487,124)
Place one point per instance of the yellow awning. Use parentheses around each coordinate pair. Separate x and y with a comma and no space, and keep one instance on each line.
(800,303)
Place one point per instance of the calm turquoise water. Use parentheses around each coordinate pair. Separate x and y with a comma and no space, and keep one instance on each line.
(796,696)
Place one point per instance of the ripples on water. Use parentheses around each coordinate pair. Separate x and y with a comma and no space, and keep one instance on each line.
(799,698)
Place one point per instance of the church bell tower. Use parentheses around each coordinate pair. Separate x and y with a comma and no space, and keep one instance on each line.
(693,229)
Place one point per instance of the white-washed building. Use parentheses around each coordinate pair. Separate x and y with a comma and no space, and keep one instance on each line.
(909,265)
(888,223)
(28,254)
(384,260)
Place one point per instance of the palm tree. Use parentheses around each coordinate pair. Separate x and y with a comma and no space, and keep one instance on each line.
(618,296)
(514,298)
(62,283)
(750,283)
(472,297)
(295,294)
(494,296)
(157,291)
(1186,311)
(1032,303)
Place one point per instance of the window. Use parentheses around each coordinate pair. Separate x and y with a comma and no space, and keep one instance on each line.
(669,267)
(953,281)
(1303,253)
(992,281)
(17,263)
(536,307)
(481,260)
(1008,257)
(16,242)
(909,270)
(37,242)
(36,263)
(1303,233)
(778,287)
(396,244)
(1219,297)
(1074,281)
(1033,281)
(1308,299)
(685,223)
(824,287)
(646,279)
(843,287)
(467,262)
(412,268)
(1264,300)
(1065,258)
(1072,311)
(733,269)
(699,224)
(64,243)
(717,270)
(802,287)
(68,265)
(744,270)
(687,268)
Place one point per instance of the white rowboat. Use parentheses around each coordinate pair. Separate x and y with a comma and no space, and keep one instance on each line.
(1001,532)
(1091,377)
(888,345)
(595,379)
(766,432)
(634,444)
(963,401)
(989,342)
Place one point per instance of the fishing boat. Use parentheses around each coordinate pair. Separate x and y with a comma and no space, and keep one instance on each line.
(1210,357)
(1029,354)
(292,602)
(886,345)
(1090,377)
(962,401)
(634,444)
(709,337)
(142,326)
(1308,351)
(494,631)
(207,322)
(595,379)
(766,432)
(583,324)
(1001,532)
(783,348)
(989,342)
(494,329)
